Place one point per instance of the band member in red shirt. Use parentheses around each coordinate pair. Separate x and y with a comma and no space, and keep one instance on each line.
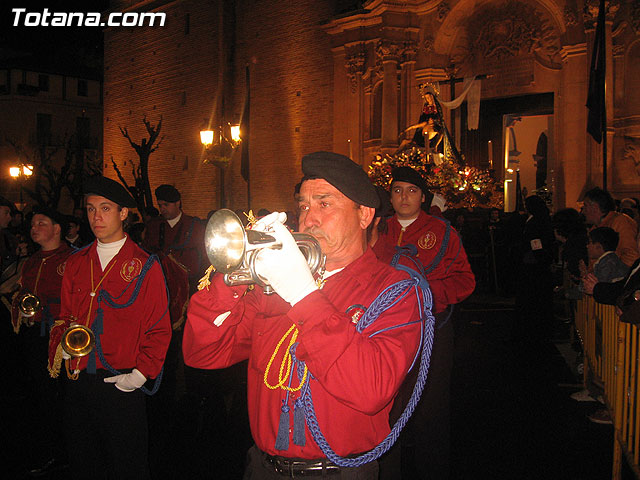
(117,290)
(352,376)
(34,308)
(177,234)
(439,250)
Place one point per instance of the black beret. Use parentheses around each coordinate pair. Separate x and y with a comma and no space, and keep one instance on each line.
(74,219)
(167,193)
(344,174)
(109,189)
(52,214)
(409,175)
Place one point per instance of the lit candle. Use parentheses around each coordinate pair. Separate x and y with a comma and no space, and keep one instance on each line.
(490,148)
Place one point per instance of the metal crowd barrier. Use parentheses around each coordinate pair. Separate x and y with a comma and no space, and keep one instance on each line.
(611,353)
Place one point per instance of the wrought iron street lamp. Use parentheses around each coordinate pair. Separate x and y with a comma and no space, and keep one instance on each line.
(20,173)
(219,146)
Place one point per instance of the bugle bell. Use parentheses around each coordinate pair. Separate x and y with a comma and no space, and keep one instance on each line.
(233,250)
(29,304)
(78,340)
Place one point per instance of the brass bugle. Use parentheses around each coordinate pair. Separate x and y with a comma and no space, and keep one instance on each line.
(29,304)
(78,340)
(233,250)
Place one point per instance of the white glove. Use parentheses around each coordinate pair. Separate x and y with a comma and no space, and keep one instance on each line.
(65,355)
(128,382)
(439,201)
(285,269)
(265,223)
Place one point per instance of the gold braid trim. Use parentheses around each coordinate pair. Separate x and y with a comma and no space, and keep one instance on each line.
(54,370)
(16,326)
(183,317)
(251,218)
(9,305)
(71,375)
(204,281)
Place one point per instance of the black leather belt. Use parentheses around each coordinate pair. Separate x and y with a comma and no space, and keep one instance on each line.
(292,467)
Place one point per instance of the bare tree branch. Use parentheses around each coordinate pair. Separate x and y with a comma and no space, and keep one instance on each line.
(142,189)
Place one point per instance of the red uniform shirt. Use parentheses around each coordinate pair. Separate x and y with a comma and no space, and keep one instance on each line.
(42,276)
(185,243)
(356,376)
(452,280)
(136,336)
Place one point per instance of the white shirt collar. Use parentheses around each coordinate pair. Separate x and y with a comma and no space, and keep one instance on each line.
(173,221)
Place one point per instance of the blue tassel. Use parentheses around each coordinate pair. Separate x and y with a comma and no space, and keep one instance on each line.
(282,440)
(298,424)
(44,323)
(91,363)
(96,327)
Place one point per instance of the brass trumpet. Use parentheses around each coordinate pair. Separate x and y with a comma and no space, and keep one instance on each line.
(78,340)
(233,250)
(29,304)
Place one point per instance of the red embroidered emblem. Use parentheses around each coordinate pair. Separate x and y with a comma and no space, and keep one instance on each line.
(356,312)
(427,241)
(61,268)
(130,269)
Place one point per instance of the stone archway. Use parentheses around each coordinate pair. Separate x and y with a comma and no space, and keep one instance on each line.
(476,35)
(491,13)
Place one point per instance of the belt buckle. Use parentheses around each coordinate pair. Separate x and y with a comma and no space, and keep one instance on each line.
(305,469)
(296,468)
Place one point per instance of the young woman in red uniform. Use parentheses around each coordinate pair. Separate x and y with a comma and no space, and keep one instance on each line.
(439,250)
(41,277)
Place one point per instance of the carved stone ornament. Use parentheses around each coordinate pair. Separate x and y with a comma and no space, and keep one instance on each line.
(618,50)
(388,50)
(570,16)
(428,43)
(632,151)
(590,13)
(497,32)
(635,17)
(355,65)
(612,9)
(409,51)
(443,11)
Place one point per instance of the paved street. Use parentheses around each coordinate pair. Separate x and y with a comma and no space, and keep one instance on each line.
(512,415)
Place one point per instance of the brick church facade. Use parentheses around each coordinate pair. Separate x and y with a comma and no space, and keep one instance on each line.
(344,76)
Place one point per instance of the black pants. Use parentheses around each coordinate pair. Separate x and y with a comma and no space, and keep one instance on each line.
(43,402)
(259,469)
(106,430)
(423,448)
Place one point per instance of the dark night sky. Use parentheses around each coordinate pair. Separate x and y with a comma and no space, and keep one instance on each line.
(59,46)
(67,48)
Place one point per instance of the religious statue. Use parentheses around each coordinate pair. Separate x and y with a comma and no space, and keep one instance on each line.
(431,132)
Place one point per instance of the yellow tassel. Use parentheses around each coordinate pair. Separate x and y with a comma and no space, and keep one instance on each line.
(204,281)
(251,218)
